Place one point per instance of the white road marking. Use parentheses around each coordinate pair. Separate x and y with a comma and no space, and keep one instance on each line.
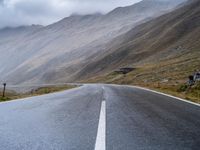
(101,134)
(146,89)
(177,98)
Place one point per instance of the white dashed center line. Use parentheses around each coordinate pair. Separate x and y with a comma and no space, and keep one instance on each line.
(101,134)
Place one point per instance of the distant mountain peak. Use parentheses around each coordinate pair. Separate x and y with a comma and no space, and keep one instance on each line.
(60,50)
(81,15)
(21,27)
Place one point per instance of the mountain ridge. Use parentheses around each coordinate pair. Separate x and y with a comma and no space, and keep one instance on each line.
(173,37)
(62,49)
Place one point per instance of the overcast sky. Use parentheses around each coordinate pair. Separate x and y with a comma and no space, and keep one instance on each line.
(27,12)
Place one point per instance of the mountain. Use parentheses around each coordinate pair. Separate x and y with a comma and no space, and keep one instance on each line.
(166,48)
(58,52)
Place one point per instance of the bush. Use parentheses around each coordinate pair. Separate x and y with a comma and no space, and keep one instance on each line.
(197,87)
(4,99)
(182,88)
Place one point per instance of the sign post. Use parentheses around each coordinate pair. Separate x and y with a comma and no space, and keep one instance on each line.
(4,89)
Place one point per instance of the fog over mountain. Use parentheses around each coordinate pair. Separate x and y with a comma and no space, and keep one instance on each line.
(58,52)
(27,12)
(172,39)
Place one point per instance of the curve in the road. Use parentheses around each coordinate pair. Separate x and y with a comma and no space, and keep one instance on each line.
(92,118)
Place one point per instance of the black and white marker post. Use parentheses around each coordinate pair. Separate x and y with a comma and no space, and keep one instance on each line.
(4,89)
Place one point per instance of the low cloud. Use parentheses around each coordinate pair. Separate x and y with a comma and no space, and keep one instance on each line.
(1,2)
(26,12)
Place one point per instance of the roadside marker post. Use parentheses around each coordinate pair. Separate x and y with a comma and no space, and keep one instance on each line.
(4,89)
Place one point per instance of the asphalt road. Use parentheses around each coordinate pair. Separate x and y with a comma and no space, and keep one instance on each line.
(99,117)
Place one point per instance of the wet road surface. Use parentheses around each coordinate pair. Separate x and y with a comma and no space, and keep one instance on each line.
(99,117)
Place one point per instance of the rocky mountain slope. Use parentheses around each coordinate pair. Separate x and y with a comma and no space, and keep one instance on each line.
(58,52)
(163,51)
(166,37)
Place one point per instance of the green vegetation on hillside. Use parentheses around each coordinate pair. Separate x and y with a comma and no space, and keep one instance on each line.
(165,52)
(11,95)
(169,76)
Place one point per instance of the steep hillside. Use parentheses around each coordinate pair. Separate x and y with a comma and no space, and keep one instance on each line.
(57,52)
(164,52)
(174,36)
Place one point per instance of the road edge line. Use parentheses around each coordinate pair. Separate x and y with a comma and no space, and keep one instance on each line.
(36,96)
(181,99)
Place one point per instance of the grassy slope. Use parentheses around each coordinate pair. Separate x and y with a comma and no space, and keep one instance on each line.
(165,50)
(169,77)
(168,36)
(10,95)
